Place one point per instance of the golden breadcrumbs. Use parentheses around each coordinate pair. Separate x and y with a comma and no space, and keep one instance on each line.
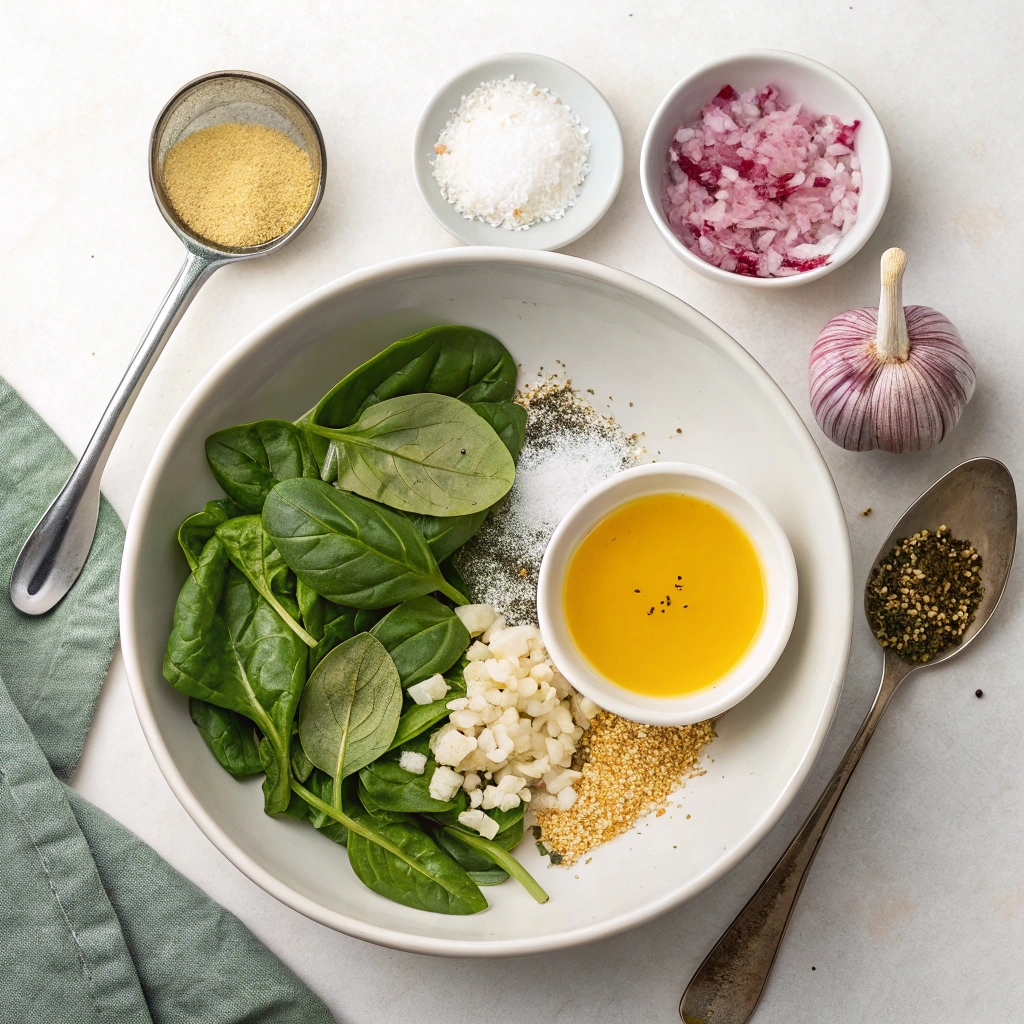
(628,770)
(239,185)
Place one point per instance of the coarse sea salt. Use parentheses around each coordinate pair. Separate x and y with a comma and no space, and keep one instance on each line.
(762,188)
(511,155)
(569,448)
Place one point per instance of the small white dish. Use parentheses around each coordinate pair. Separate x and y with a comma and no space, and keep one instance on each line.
(777,564)
(798,79)
(599,188)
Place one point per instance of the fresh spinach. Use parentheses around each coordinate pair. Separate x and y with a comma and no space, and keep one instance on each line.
(195,531)
(392,788)
(311,610)
(446,534)
(508,421)
(461,362)
(253,552)
(348,549)
(398,861)
(350,709)
(478,867)
(411,869)
(229,735)
(249,459)
(338,629)
(423,636)
(230,648)
(500,858)
(422,453)
(451,572)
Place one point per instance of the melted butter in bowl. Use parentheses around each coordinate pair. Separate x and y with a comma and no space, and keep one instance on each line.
(681,579)
(667,593)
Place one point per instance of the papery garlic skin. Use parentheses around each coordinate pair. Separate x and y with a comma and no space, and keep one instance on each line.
(864,398)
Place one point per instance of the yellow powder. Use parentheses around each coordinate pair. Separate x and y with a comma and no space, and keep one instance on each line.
(628,770)
(239,185)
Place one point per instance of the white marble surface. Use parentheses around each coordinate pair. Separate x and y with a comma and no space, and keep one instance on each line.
(915,907)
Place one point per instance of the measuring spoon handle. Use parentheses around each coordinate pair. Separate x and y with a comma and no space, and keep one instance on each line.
(728,985)
(55,552)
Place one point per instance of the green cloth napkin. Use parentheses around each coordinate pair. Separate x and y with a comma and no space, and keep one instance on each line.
(94,926)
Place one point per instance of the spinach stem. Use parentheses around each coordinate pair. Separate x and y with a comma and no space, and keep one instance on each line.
(449,591)
(367,833)
(500,856)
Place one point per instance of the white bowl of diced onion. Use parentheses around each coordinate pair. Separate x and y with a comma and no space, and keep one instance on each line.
(799,80)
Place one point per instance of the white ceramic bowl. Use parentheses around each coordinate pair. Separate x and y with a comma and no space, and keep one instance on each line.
(780,582)
(798,79)
(618,336)
(599,188)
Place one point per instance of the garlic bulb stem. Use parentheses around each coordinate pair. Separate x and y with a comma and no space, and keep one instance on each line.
(892,342)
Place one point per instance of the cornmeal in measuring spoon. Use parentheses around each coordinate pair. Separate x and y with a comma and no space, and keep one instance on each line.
(665,595)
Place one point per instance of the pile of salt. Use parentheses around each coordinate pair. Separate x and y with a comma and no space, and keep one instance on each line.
(511,155)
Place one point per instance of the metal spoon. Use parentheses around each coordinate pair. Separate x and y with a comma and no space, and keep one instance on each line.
(977,502)
(56,550)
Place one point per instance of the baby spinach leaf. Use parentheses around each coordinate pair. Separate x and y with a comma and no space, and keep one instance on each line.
(301,765)
(229,735)
(461,362)
(311,610)
(392,788)
(478,867)
(418,718)
(507,420)
(510,824)
(367,618)
(398,861)
(451,572)
(348,549)
(252,551)
(411,869)
(446,534)
(500,858)
(337,630)
(423,637)
(423,453)
(249,459)
(350,708)
(195,531)
(230,648)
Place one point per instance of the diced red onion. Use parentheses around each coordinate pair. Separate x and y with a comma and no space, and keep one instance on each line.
(759,187)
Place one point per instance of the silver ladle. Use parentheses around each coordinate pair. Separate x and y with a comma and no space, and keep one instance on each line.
(978,503)
(55,552)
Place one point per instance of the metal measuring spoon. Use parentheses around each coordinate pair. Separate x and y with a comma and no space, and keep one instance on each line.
(56,550)
(978,503)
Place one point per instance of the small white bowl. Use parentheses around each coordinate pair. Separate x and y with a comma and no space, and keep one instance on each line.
(798,79)
(777,563)
(599,188)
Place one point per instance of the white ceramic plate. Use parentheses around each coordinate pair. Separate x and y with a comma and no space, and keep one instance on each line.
(599,187)
(621,337)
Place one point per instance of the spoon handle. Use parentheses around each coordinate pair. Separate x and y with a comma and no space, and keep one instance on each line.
(52,558)
(728,985)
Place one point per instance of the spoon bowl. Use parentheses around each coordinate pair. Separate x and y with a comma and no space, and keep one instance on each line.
(978,502)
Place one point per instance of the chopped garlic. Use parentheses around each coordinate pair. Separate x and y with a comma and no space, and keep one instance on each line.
(477,618)
(444,784)
(413,762)
(479,822)
(429,690)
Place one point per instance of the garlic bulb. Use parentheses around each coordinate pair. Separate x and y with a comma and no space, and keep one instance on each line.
(896,377)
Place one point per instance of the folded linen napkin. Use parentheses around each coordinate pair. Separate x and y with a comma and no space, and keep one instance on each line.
(94,926)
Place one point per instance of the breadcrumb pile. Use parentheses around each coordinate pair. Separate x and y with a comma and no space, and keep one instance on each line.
(627,770)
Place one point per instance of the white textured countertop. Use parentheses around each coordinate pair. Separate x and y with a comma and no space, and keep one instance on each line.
(914,910)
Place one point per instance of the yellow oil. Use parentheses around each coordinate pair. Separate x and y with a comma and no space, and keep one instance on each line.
(664,595)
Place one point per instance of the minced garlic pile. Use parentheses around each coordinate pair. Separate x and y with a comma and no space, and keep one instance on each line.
(626,771)
(517,727)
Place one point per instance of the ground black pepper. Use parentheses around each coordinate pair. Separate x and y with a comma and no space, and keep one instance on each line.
(924,594)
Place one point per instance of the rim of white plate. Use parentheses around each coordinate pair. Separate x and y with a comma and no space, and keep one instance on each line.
(226,844)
